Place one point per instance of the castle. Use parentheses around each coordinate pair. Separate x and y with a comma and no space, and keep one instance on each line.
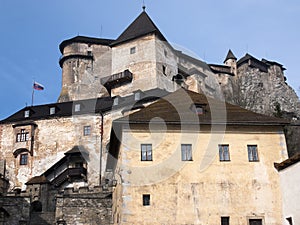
(69,162)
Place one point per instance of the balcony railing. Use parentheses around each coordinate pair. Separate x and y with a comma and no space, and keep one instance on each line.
(69,173)
(117,79)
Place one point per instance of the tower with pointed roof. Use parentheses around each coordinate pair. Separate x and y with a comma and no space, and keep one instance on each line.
(231,61)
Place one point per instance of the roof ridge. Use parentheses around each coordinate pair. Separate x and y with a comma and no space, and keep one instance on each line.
(141,26)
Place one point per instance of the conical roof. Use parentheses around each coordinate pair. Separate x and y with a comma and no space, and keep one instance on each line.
(230,55)
(141,26)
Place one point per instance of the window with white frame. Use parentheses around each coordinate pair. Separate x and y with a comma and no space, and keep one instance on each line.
(52,110)
(27,113)
(252,153)
(24,159)
(146,152)
(22,136)
(87,130)
(77,108)
(224,153)
(186,152)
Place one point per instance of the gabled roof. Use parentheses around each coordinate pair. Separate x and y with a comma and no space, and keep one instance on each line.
(230,55)
(141,26)
(176,108)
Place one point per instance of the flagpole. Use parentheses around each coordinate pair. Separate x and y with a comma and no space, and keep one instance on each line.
(32,95)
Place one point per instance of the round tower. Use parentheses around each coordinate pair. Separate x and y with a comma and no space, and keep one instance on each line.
(84,62)
(230,60)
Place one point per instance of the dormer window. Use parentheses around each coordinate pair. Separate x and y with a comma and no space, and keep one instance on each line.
(199,109)
(77,108)
(27,113)
(116,101)
(52,110)
(137,96)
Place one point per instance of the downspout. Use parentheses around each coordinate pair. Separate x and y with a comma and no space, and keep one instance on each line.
(101,140)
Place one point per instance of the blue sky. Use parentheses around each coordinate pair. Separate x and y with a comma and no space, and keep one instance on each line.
(32,30)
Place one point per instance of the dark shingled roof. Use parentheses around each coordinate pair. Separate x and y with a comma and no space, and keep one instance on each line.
(141,26)
(230,55)
(86,40)
(88,106)
(176,108)
(63,109)
(38,180)
(289,162)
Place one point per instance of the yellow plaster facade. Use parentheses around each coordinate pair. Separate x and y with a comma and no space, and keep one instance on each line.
(205,189)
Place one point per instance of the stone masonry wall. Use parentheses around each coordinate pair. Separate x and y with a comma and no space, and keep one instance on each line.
(84,207)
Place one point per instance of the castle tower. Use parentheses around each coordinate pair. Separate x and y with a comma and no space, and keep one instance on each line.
(230,60)
(84,61)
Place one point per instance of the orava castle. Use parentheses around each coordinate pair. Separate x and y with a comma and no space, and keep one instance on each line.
(143,133)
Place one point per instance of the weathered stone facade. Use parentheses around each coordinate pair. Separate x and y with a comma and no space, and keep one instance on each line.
(56,155)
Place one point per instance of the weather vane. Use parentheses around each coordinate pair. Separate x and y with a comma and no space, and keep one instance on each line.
(144,7)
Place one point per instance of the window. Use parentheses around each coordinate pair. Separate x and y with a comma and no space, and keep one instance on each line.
(22,136)
(86,130)
(199,109)
(225,220)
(77,108)
(146,152)
(224,153)
(186,152)
(146,200)
(52,110)
(290,220)
(255,221)
(116,101)
(252,153)
(23,159)
(132,50)
(166,53)
(26,113)
(137,96)
(164,69)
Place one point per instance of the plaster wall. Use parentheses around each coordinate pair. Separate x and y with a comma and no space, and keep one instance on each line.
(290,179)
(205,189)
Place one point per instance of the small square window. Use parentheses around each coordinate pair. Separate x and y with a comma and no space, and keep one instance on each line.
(77,108)
(252,153)
(255,221)
(132,50)
(52,110)
(186,152)
(225,220)
(146,152)
(87,130)
(146,200)
(23,159)
(26,113)
(224,153)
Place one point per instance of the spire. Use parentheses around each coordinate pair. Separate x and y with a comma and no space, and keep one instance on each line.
(141,26)
(144,7)
(230,55)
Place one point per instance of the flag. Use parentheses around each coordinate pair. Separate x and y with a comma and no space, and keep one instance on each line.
(38,86)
